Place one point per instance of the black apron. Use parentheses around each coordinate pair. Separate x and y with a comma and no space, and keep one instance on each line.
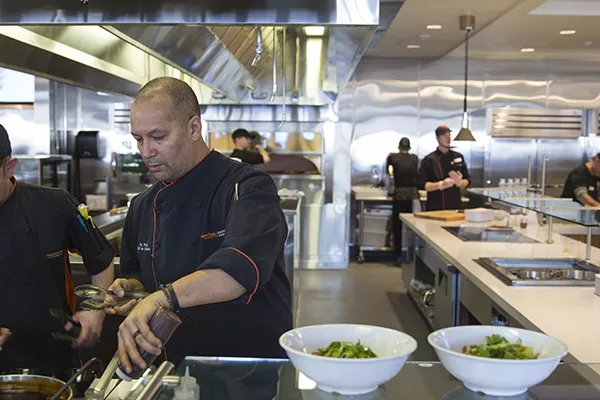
(29,290)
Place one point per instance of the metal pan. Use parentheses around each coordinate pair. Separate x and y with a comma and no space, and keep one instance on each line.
(31,387)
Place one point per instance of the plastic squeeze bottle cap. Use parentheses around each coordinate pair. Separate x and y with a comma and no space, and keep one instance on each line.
(186,390)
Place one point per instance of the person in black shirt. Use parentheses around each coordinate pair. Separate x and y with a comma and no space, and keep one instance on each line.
(39,226)
(445,173)
(243,140)
(207,240)
(404,168)
(582,183)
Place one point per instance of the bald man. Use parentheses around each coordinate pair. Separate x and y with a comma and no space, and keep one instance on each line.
(207,240)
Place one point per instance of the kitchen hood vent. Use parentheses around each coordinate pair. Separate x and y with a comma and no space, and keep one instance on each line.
(535,123)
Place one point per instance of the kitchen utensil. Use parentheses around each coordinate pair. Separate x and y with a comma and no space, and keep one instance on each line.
(348,376)
(479,215)
(62,317)
(90,291)
(31,387)
(496,377)
(95,304)
(72,379)
(499,228)
(444,215)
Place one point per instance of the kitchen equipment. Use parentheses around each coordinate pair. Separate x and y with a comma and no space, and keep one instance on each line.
(541,272)
(62,317)
(496,377)
(479,215)
(73,378)
(91,291)
(348,376)
(482,234)
(444,215)
(31,387)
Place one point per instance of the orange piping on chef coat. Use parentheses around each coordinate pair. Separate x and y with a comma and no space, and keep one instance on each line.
(69,286)
(9,193)
(248,374)
(257,272)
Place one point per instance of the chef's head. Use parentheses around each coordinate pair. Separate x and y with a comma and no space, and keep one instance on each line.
(165,122)
(242,139)
(7,163)
(442,134)
(595,166)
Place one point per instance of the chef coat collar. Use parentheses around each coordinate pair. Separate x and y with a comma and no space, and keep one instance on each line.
(11,193)
(206,175)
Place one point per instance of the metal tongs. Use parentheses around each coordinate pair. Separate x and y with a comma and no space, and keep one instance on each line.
(95,297)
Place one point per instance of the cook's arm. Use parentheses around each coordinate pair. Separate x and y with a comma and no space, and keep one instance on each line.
(254,236)
(431,181)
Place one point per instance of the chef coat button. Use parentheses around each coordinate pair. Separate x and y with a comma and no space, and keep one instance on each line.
(194,241)
(158,210)
(157,245)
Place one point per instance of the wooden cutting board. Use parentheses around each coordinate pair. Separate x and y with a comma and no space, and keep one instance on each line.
(444,215)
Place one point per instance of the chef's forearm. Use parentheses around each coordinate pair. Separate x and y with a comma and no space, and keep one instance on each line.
(464,183)
(207,287)
(105,278)
(588,200)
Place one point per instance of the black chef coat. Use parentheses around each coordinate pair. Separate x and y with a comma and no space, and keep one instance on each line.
(38,227)
(581,179)
(436,167)
(248,157)
(406,175)
(195,224)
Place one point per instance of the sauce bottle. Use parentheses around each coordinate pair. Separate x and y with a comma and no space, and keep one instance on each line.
(162,324)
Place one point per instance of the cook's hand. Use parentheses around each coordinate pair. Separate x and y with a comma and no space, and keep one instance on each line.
(135,331)
(4,335)
(446,183)
(119,287)
(456,177)
(91,328)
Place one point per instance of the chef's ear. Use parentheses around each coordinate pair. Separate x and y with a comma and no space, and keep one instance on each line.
(195,128)
(10,165)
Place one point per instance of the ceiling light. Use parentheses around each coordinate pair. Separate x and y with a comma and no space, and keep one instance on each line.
(568,32)
(314,30)
(588,43)
(434,27)
(413,46)
(527,50)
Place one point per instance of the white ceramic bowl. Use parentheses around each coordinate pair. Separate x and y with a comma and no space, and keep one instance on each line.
(493,376)
(348,376)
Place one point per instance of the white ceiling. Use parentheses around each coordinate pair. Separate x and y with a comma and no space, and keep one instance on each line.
(503,28)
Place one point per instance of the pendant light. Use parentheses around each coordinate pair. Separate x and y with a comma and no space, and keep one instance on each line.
(467,24)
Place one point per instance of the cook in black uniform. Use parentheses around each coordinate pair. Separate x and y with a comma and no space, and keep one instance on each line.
(582,183)
(404,168)
(243,140)
(445,173)
(212,231)
(38,227)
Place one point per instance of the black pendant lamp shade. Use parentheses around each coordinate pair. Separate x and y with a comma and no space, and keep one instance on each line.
(467,24)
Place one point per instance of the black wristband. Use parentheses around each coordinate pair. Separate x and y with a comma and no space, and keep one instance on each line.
(174,300)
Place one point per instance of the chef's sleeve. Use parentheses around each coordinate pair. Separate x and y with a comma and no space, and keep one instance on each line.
(129,264)
(255,233)
(85,239)
(427,172)
(580,186)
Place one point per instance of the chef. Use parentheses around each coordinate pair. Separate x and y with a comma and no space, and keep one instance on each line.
(38,227)
(445,173)
(404,168)
(582,183)
(207,240)
(243,141)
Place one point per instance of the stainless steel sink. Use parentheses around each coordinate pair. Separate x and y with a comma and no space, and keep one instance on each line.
(541,272)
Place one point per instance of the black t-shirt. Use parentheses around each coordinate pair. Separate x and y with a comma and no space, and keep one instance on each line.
(436,167)
(406,175)
(580,180)
(248,157)
(221,215)
(38,227)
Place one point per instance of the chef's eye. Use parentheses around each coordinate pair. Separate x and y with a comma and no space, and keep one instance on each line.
(158,138)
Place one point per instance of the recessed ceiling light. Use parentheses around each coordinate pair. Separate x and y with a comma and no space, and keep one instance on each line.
(434,27)
(568,32)
(413,46)
(527,50)
(314,30)
(588,43)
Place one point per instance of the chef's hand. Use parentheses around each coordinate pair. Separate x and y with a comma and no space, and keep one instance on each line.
(456,177)
(4,335)
(446,183)
(91,328)
(135,331)
(119,287)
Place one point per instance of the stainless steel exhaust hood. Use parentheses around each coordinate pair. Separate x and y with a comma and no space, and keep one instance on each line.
(212,41)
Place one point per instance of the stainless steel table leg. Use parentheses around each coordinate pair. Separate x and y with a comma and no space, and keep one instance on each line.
(361,224)
(588,251)
(549,239)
